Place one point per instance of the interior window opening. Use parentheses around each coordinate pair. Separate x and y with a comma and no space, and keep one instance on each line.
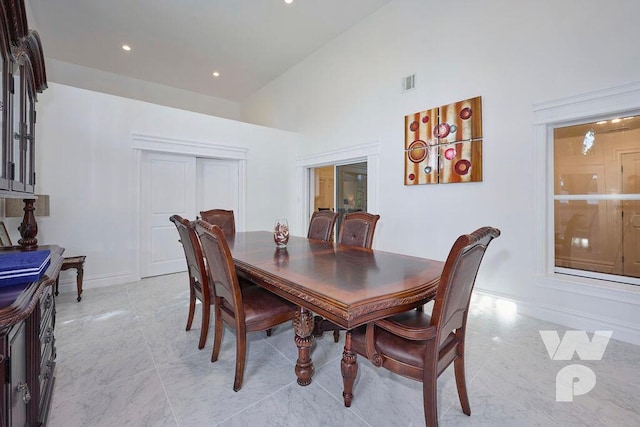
(597,197)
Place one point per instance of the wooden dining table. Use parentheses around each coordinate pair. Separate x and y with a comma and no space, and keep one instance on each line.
(346,285)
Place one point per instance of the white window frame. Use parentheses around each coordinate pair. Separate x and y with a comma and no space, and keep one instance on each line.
(616,101)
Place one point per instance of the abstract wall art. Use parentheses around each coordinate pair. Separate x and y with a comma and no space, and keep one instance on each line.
(444,144)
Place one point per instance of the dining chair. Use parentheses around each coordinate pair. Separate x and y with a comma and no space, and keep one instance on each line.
(357,229)
(420,346)
(321,225)
(243,308)
(226,221)
(222,218)
(199,286)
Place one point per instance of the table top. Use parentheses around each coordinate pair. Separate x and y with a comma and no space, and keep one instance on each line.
(347,285)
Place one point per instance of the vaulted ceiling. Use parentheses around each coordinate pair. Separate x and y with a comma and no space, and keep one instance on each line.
(181,43)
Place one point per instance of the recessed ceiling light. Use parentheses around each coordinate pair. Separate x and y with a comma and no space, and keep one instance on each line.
(216,74)
(126,47)
(288,1)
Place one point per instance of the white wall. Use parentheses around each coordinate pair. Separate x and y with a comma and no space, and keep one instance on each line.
(101,81)
(514,55)
(86,163)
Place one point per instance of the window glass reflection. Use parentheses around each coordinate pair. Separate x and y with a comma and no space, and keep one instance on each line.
(596,213)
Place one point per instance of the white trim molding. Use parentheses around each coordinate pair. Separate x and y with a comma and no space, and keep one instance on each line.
(68,283)
(183,146)
(362,151)
(610,101)
(579,302)
(623,330)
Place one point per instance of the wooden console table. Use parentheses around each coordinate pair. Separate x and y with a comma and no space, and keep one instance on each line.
(76,262)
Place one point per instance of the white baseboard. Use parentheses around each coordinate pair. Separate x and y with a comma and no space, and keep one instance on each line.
(622,331)
(68,284)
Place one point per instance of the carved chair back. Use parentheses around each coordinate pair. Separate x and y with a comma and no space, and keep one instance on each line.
(222,218)
(199,284)
(357,229)
(458,278)
(224,280)
(193,253)
(321,225)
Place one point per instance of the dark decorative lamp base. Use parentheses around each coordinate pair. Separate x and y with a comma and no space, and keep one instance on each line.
(29,228)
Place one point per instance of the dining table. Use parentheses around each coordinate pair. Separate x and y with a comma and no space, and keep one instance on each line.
(347,285)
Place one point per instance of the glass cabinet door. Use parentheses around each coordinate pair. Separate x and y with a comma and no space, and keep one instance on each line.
(4,125)
(22,77)
(18,133)
(28,149)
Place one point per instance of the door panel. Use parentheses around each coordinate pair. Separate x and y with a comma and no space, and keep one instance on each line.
(168,187)
(218,185)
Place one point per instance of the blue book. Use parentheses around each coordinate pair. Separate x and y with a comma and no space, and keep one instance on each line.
(23,267)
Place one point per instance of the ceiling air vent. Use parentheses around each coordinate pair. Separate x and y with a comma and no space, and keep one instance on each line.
(409,83)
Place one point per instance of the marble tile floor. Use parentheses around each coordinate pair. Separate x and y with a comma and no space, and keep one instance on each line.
(125,359)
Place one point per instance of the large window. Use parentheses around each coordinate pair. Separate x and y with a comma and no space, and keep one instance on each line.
(596,214)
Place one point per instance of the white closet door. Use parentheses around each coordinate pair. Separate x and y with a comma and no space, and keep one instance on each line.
(218,186)
(168,187)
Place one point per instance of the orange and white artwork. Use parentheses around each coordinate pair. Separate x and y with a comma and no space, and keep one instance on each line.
(421,149)
(444,144)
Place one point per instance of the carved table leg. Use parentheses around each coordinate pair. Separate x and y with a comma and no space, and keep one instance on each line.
(349,367)
(79,278)
(303,327)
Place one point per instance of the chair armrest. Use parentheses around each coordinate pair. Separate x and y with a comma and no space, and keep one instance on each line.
(407,332)
(370,346)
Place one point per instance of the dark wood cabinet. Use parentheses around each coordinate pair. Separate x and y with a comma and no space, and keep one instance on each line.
(27,346)
(14,351)
(23,77)
(27,311)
